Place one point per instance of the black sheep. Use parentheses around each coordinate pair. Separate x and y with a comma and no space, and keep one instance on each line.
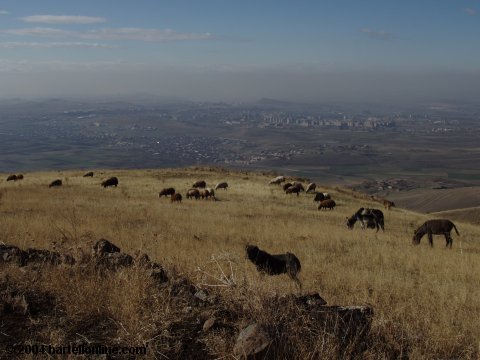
(274,264)
(113,181)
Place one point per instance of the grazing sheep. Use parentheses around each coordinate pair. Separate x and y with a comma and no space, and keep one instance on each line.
(204,194)
(193,193)
(311,187)
(369,218)
(295,189)
(327,204)
(211,192)
(54,183)
(88,174)
(274,264)
(388,204)
(199,184)
(286,186)
(435,227)
(12,177)
(113,181)
(319,197)
(277,181)
(166,192)
(176,198)
(222,185)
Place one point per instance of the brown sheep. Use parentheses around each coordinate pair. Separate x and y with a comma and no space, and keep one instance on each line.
(199,184)
(176,198)
(327,204)
(207,193)
(193,193)
(388,204)
(295,189)
(222,185)
(12,177)
(311,187)
(88,174)
(166,192)
(211,192)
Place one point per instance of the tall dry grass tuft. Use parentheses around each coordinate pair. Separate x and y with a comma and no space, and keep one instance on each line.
(426,300)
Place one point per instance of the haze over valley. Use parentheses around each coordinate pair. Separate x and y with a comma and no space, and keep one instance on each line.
(371,148)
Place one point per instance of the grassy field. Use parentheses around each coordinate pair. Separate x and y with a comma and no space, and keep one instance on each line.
(426,300)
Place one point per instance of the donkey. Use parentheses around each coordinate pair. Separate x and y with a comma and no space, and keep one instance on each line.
(435,227)
(371,218)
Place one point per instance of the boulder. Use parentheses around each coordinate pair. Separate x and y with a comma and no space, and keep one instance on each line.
(251,341)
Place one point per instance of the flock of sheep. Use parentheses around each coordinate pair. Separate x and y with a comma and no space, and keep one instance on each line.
(324,199)
(199,190)
(288,263)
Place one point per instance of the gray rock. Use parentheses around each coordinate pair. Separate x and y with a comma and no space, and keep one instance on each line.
(251,341)
(202,295)
(207,325)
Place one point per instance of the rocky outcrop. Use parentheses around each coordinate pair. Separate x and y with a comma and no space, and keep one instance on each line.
(15,255)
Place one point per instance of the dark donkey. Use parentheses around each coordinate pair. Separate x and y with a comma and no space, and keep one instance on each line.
(435,227)
(372,218)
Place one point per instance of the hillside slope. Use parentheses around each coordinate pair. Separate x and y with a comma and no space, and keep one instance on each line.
(435,200)
(423,297)
(470,215)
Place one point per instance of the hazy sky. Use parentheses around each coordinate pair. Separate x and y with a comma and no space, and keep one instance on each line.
(338,50)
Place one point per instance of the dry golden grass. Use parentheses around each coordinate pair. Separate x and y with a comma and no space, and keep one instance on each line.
(426,300)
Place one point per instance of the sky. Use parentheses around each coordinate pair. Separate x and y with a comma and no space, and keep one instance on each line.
(313,51)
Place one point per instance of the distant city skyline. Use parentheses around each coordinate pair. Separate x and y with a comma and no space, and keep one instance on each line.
(385,51)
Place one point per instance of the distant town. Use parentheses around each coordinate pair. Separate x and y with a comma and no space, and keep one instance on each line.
(328,140)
